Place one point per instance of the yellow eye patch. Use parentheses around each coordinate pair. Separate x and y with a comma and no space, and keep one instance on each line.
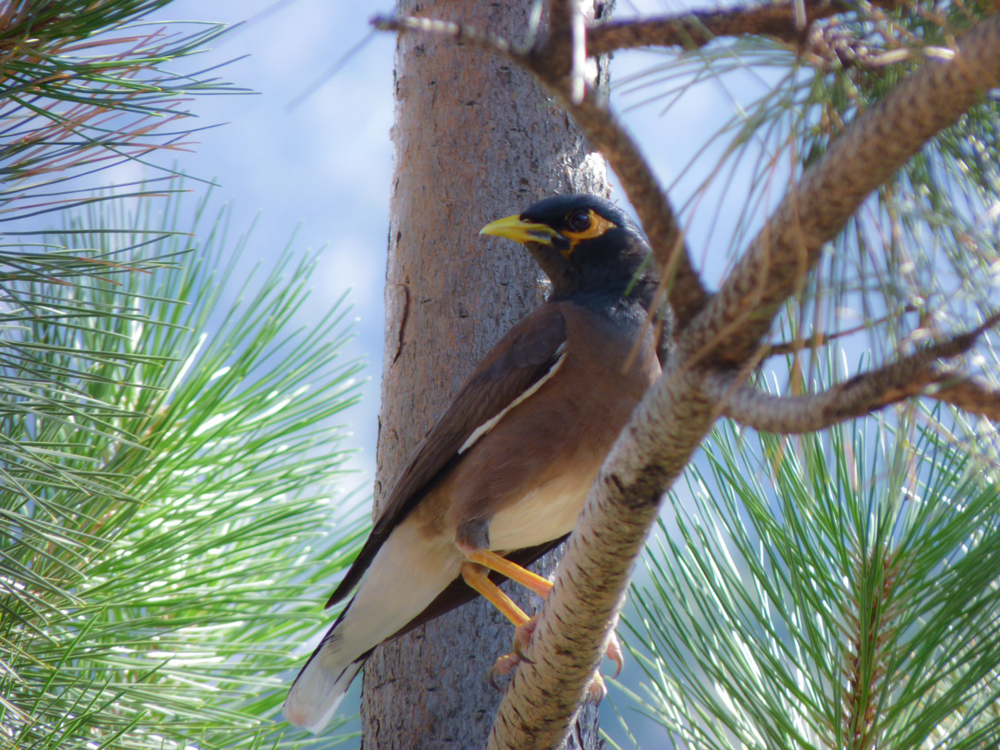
(598,226)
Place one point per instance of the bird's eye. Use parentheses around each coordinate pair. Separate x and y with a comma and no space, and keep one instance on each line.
(578,221)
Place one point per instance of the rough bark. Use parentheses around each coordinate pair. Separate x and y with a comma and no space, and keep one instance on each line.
(475,139)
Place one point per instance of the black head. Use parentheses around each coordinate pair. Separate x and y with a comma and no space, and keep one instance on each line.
(583,243)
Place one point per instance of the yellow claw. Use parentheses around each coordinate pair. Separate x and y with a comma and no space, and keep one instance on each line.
(615,653)
(597,689)
(502,667)
(522,638)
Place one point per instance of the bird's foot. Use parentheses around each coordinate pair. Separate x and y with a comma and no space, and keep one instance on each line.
(596,690)
(501,668)
(614,652)
(522,637)
(506,663)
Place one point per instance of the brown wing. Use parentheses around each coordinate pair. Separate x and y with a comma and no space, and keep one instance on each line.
(520,359)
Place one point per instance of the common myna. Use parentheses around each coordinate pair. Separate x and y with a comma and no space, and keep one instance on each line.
(502,476)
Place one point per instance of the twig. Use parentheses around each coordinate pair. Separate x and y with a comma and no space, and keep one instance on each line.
(791,415)
(875,146)
(724,333)
(819,338)
(862,394)
(677,413)
(698,28)
(969,393)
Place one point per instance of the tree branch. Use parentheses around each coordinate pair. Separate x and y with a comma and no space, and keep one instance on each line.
(698,28)
(687,294)
(563,50)
(569,641)
(676,414)
(828,194)
(819,338)
(862,394)
(969,393)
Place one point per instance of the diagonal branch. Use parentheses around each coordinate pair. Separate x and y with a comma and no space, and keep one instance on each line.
(563,50)
(686,291)
(569,641)
(860,395)
(677,413)
(687,294)
(560,36)
(698,28)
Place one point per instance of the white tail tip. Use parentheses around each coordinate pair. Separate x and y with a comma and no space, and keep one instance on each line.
(317,693)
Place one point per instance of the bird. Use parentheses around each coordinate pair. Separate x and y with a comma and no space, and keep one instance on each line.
(503,474)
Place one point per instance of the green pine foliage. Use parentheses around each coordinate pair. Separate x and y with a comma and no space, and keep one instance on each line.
(84,85)
(171,468)
(919,259)
(175,466)
(831,591)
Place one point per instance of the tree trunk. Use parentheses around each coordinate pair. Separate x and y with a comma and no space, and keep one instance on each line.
(475,140)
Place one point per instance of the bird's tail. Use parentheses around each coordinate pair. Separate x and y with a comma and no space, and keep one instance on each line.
(321,685)
(403,579)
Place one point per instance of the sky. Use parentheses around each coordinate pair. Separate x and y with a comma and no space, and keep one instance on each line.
(321,170)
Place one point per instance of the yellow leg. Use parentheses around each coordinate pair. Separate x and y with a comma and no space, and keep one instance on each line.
(513,571)
(474,572)
(478,578)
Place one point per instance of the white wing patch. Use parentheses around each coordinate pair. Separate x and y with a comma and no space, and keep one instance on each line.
(492,422)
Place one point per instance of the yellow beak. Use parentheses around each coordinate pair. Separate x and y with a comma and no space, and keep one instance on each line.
(513,228)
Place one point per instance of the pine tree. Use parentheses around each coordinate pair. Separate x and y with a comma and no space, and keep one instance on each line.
(167,463)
